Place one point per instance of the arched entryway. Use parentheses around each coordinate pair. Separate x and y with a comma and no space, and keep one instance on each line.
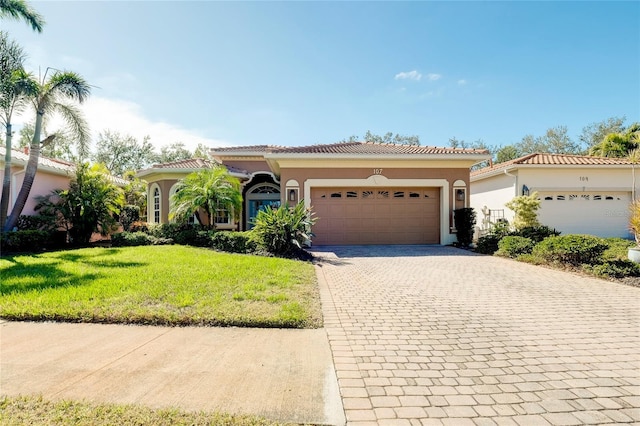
(258,197)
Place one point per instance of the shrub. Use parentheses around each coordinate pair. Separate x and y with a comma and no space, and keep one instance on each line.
(129,214)
(234,242)
(139,226)
(525,208)
(618,248)
(619,268)
(488,244)
(536,233)
(27,241)
(129,239)
(572,249)
(184,233)
(37,222)
(282,231)
(464,221)
(514,246)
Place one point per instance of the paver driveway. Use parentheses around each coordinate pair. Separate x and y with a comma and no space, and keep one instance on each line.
(437,335)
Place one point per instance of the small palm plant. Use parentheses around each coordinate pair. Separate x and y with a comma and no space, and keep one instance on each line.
(284,230)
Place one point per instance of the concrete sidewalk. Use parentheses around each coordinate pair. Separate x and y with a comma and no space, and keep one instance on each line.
(282,375)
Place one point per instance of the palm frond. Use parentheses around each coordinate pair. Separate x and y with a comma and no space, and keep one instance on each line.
(70,85)
(18,9)
(77,127)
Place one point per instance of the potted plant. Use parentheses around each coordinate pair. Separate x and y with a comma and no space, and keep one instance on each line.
(634,226)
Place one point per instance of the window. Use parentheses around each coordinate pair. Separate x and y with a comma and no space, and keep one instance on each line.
(383,194)
(156,205)
(560,197)
(222,216)
(398,194)
(597,197)
(367,194)
(414,195)
(548,198)
(336,195)
(352,194)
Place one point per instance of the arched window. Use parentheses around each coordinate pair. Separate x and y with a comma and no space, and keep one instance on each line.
(156,205)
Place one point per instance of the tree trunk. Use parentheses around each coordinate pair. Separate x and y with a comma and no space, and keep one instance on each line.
(6,180)
(29,176)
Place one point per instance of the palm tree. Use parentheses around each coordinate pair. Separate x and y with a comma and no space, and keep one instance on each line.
(49,96)
(634,158)
(20,9)
(210,190)
(12,96)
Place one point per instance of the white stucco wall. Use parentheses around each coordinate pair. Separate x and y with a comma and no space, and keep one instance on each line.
(590,200)
(493,193)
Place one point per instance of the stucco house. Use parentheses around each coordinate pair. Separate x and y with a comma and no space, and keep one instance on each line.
(578,194)
(362,193)
(52,174)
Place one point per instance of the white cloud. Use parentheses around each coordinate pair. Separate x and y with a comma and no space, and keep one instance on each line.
(410,75)
(434,77)
(462,82)
(128,118)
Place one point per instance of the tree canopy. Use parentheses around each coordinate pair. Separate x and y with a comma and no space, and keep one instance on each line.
(388,138)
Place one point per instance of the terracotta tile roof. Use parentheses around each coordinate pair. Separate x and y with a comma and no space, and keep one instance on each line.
(191,163)
(374,148)
(552,160)
(61,166)
(20,158)
(248,148)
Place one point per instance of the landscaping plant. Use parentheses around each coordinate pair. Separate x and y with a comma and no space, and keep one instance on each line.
(571,249)
(88,206)
(526,209)
(465,222)
(284,230)
(514,246)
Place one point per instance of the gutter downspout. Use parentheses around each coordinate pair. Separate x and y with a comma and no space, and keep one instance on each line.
(516,181)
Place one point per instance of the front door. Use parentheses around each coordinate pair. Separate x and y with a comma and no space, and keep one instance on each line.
(256,205)
(260,197)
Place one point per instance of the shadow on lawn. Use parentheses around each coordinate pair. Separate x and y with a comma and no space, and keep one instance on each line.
(23,278)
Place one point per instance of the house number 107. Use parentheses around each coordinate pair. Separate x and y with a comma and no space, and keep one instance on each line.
(377,171)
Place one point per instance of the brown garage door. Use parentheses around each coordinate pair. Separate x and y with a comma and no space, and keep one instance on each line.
(376,215)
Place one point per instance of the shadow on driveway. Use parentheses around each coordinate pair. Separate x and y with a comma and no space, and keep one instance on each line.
(389,251)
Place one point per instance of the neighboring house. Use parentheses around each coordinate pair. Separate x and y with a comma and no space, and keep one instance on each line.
(578,194)
(362,193)
(52,174)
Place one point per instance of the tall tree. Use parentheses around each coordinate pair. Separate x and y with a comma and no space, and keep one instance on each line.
(208,190)
(61,147)
(120,153)
(20,9)
(388,138)
(52,95)
(201,151)
(14,89)
(595,133)
(174,152)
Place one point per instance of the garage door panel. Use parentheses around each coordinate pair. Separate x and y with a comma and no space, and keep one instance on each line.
(602,213)
(377,215)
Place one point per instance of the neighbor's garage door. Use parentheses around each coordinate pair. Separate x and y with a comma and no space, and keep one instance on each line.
(376,215)
(605,213)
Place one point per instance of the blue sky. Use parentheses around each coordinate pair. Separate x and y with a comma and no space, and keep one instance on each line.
(299,73)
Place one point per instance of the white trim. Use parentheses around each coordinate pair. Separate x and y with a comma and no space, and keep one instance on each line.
(382,181)
(151,205)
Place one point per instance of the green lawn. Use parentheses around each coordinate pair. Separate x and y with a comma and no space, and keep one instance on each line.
(160,285)
(36,411)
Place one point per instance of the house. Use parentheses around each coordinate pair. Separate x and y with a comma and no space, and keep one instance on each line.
(578,194)
(52,174)
(362,193)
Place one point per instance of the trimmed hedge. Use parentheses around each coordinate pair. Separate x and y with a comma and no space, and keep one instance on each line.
(234,242)
(130,239)
(619,268)
(514,246)
(572,249)
(184,233)
(25,241)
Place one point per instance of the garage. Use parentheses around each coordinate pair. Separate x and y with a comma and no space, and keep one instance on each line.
(601,213)
(376,215)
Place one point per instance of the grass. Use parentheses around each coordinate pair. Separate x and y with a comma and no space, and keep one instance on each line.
(160,285)
(33,410)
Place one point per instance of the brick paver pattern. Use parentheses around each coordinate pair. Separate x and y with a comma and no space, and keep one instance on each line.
(436,335)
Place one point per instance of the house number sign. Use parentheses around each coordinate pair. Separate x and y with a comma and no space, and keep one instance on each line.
(377,171)
(584,178)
